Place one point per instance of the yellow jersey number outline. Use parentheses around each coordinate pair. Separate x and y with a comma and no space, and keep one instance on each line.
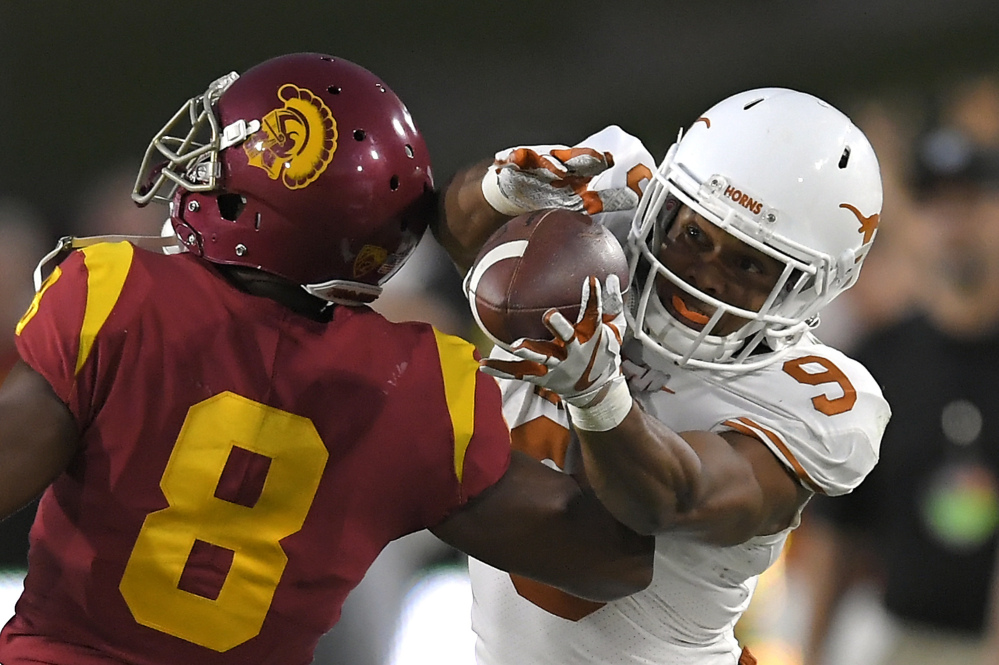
(152,574)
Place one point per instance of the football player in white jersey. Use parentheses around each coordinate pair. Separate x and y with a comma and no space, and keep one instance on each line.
(699,406)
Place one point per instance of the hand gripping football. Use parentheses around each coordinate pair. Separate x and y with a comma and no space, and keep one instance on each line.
(535,262)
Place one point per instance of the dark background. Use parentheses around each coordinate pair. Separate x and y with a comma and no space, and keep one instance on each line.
(83,85)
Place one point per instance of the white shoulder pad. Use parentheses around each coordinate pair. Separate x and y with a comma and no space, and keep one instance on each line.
(633,164)
(819,411)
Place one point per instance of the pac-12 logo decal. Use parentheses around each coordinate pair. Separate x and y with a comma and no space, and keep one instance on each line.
(296,142)
(369,258)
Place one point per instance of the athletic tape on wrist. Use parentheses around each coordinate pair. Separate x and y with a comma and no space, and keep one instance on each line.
(495,197)
(607,413)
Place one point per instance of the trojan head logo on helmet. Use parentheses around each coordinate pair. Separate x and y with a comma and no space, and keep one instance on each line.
(296,142)
(789,176)
(306,166)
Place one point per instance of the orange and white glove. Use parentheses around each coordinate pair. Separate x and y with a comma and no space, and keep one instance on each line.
(534,178)
(583,363)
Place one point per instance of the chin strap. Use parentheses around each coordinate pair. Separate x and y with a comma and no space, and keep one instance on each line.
(66,244)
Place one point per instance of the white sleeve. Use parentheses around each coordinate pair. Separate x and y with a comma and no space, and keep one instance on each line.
(626,150)
(633,164)
(829,437)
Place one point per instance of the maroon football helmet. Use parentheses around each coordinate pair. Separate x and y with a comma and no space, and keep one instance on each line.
(307,166)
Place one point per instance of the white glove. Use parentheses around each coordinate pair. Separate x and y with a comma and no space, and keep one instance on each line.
(583,363)
(528,179)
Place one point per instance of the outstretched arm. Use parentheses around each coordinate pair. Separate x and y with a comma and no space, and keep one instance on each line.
(539,523)
(725,488)
(481,197)
(38,437)
(465,219)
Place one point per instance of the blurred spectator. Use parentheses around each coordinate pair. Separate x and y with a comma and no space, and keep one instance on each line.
(106,207)
(926,518)
(24,239)
(887,286)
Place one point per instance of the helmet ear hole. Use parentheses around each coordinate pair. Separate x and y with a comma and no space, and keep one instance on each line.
(845,158)
(230,206)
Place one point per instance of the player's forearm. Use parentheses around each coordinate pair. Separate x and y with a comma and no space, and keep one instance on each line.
(539,523)
(644,472)
(611,560)
(465,219)
(20,479)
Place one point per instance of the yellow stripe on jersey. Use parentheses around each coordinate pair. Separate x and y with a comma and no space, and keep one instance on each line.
(33,307)
(107,267)
(460,370)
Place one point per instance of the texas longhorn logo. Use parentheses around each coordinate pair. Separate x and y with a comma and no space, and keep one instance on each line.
(296,142)
(868,223)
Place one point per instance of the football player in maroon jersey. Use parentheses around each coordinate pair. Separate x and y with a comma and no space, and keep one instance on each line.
(226,437)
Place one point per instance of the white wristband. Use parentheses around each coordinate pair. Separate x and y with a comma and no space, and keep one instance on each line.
(495,197)
(606,414)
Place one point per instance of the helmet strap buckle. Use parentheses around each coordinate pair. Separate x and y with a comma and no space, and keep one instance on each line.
(237,132)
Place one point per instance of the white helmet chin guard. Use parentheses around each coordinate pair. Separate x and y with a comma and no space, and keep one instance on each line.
(785,173)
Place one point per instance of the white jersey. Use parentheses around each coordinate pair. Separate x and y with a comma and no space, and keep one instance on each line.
(819,412)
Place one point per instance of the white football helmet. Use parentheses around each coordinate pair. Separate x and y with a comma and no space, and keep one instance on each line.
(785,173)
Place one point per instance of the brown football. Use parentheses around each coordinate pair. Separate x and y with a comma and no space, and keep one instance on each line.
(537,261)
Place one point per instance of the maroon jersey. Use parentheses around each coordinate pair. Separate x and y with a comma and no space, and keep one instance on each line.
(240,466)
